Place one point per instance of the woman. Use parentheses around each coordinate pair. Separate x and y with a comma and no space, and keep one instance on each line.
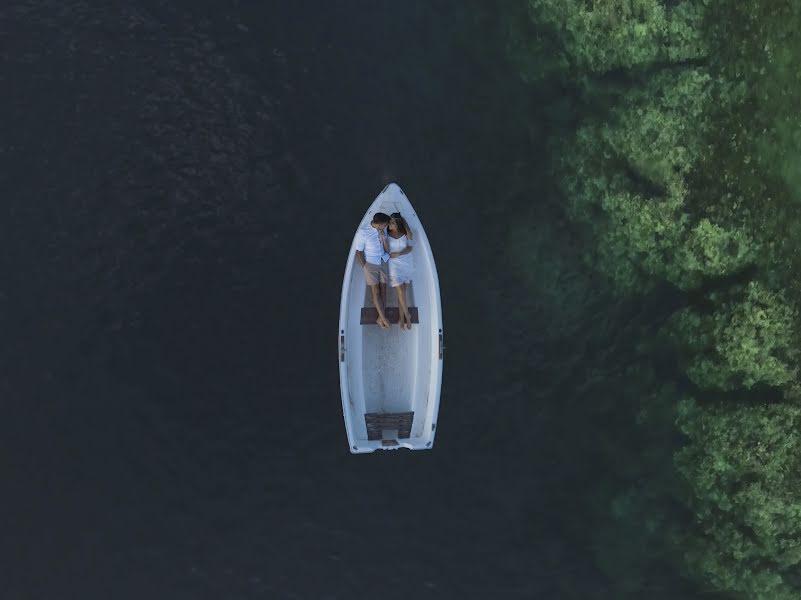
(401,263)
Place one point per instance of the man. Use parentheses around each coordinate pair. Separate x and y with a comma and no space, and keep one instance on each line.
(370,253)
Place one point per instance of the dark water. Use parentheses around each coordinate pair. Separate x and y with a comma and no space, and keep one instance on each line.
(180,185)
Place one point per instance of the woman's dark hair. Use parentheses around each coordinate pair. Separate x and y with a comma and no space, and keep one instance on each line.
(399,220)
(380,218)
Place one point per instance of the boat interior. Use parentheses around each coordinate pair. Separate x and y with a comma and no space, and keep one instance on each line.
(389,359)
(391,373)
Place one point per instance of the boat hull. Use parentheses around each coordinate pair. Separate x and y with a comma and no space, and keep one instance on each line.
(390,379)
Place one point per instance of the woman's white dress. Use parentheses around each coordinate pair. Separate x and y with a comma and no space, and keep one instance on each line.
(401,268)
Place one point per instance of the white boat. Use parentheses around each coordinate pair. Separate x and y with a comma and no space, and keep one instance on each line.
(390,379)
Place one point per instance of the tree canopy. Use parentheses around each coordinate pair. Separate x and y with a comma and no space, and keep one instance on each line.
(684,167)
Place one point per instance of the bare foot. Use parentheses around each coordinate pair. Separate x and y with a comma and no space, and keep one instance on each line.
(383,323)
(408,321)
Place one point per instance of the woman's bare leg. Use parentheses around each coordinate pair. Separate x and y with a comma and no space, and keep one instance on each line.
(404,310)
(400,311)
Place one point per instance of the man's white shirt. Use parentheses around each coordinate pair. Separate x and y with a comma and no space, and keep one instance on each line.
(367,241)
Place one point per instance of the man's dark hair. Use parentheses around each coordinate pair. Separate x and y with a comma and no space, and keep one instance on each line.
(381,218)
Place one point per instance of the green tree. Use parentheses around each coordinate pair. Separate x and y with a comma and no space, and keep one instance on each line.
(577,36)
(625,177)
(752,174)
(685,168)
(745,341)
(741,464)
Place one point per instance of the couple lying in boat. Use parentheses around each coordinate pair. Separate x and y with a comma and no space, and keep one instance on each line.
(383,249)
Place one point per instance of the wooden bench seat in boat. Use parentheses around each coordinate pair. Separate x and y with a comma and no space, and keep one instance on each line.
(378,422)
(370,314)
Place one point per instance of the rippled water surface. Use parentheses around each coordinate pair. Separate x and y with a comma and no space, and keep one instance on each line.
(180,185)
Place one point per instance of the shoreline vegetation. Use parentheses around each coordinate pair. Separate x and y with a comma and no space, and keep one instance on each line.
(683,167)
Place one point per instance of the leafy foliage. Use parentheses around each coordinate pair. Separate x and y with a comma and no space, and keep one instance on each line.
(685,168)
(576,36)
(752,173)
(746,341)
(742,465)
(625,177)
(756,44)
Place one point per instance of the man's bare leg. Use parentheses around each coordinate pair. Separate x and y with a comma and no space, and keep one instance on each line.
(382,318)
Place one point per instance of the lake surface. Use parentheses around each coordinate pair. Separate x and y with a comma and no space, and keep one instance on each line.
(180,187)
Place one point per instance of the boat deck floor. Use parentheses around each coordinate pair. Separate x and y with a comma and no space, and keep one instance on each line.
(389,362)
